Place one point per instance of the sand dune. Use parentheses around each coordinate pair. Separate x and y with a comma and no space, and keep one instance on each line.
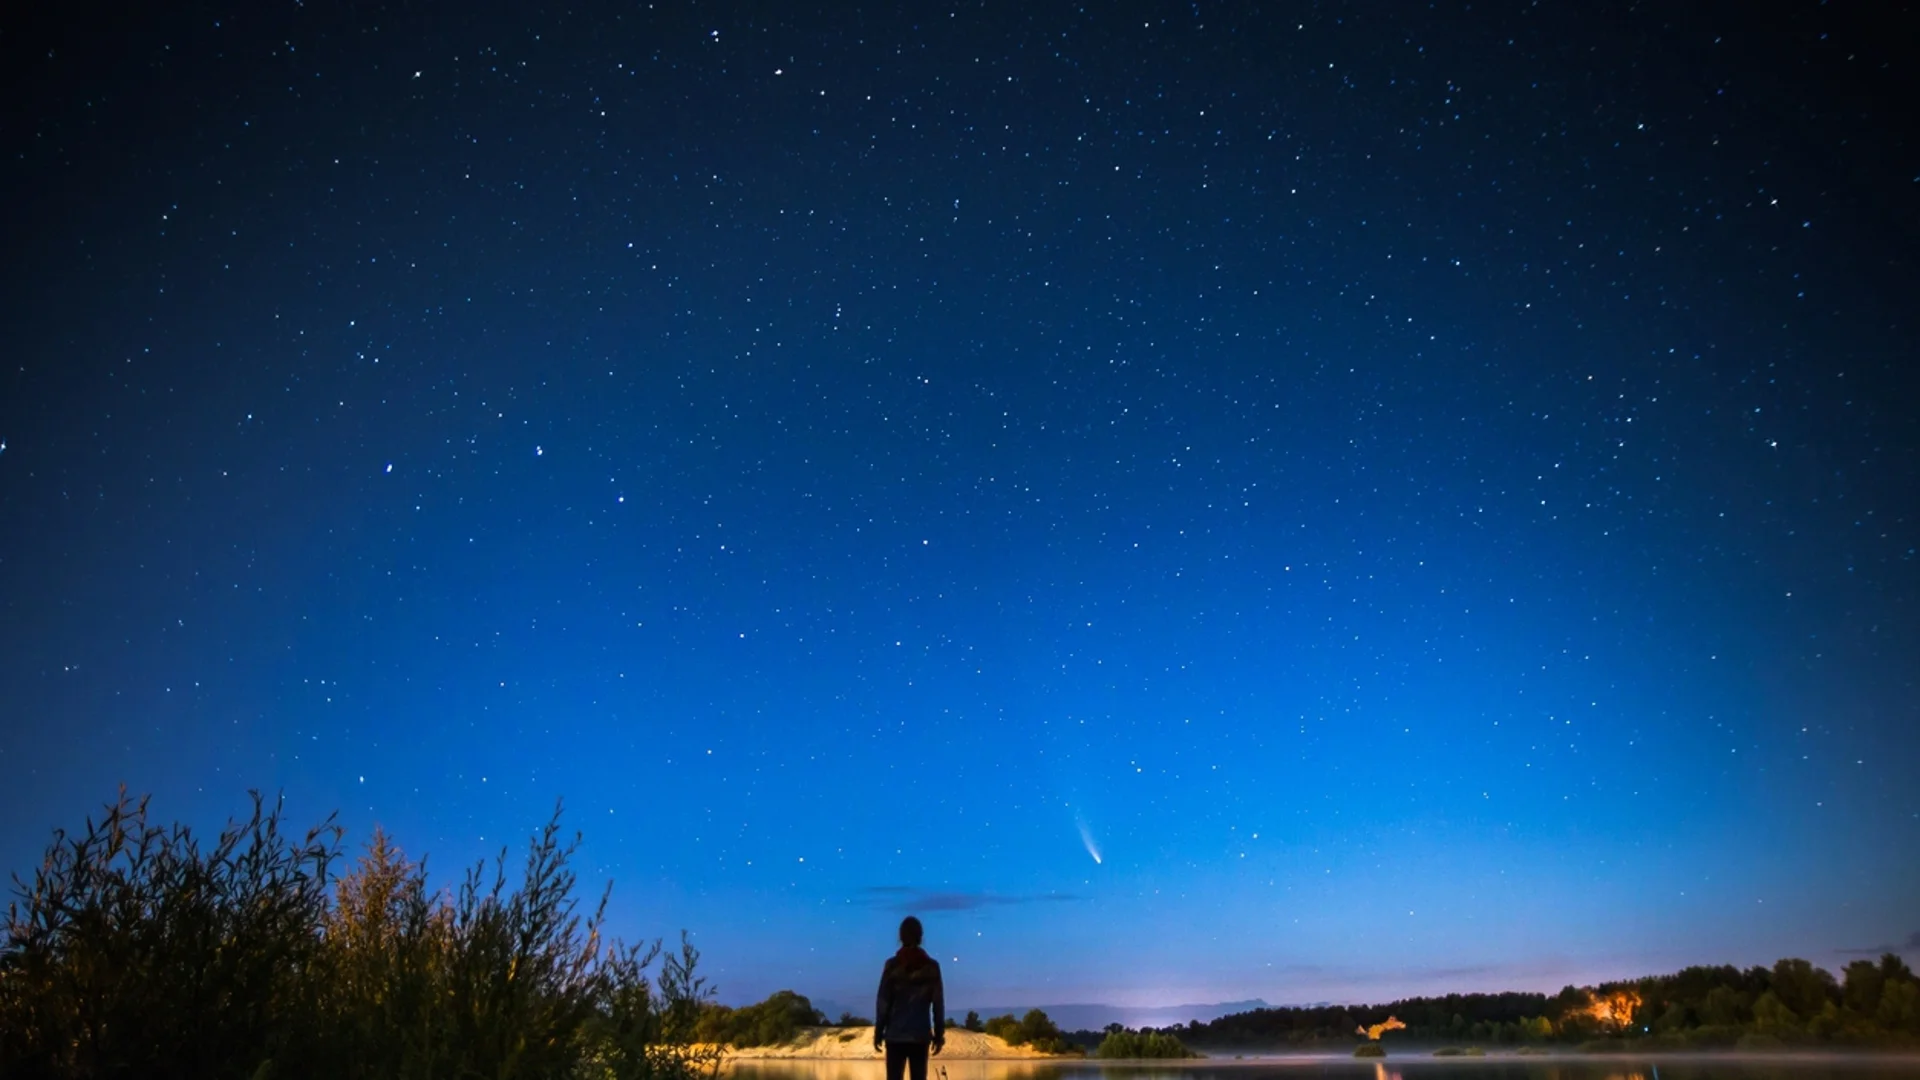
(856,1043)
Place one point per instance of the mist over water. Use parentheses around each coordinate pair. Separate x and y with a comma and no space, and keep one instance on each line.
(1414,1066)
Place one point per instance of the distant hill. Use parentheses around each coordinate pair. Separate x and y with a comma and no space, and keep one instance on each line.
(1094,1017)
(1089,1017)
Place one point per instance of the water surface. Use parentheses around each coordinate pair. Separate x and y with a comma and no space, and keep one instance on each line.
(1412,1066)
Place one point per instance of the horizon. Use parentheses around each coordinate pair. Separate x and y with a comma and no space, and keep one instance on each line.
(1437,987)
(1197,502)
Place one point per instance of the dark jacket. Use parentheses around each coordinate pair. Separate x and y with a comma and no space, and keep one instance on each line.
(909,990)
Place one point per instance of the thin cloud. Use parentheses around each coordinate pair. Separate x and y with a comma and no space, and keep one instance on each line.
(1912,945)
(906,898)
(1467,971)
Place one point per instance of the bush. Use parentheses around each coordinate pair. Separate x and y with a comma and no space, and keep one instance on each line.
(1369,1050)
(139,953)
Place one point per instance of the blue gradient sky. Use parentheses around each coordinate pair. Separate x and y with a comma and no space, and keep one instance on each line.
(1428,495)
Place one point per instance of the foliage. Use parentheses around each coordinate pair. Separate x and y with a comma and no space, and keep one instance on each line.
(1793,1003)
(1035,1029)
(1127,1043)
(136,948)
(136,952)
(1488,1018)
(973,1022)
(768,1023)
(1370,1049)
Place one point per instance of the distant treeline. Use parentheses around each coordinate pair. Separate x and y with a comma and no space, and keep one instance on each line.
(138,951)
(1122,1042)
(1873,1003)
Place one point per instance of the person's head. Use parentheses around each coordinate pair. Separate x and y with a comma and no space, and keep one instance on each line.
(910,931)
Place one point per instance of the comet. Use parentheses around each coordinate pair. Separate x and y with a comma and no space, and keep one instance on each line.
(1086,839)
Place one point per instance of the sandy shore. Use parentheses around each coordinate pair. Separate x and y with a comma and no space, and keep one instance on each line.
(856,1044)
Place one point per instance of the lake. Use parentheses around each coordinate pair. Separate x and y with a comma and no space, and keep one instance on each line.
(1411,1066)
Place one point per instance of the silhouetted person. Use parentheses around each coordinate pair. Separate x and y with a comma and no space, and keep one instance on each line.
(911,1012)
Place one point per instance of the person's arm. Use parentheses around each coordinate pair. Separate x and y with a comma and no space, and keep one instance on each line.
(882,1005)
(939,1011)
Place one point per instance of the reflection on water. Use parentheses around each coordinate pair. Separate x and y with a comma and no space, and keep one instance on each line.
(1412,1066)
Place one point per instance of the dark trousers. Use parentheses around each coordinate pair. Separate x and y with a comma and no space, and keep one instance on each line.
(900,1055)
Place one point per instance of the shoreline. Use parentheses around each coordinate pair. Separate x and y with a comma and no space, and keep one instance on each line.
(856,1044)
(1551,1057)
(1014,1055)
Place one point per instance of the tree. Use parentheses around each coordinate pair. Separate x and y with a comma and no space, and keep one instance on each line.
(1005,1027)
(1037,1025)
(1771,1016)
(1899,1009)
(1802,987)
(1673,1019)
(1035,1029)
(767,1023)
(972,1022)
(1861,991)
(1724,1007)
(1572,999)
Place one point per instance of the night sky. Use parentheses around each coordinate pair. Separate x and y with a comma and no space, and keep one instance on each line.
(1198,501)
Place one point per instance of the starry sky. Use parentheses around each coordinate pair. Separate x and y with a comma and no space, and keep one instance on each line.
(1197,500)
